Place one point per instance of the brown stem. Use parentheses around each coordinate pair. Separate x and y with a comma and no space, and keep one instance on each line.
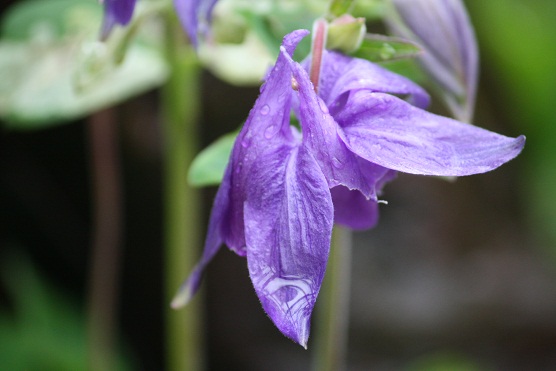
(103,279)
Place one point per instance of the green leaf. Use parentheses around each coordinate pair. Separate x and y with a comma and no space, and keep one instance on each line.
(408,68)
(340,7)
(208,167)
(379,48)
(47,87)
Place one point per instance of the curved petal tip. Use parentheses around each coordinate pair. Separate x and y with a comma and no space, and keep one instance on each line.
(182,297)
(289,303)
(188,289)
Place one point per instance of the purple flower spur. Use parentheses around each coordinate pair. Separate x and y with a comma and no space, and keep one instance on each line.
(285,187)
(116,12)
(195,17)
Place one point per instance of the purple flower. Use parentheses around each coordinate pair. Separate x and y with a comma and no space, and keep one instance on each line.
(195,16)
(116,12)
(443,29)
(283,189)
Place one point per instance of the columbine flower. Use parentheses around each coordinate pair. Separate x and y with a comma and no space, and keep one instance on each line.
(195,16)
(283,189)
(450,57)
(116,12)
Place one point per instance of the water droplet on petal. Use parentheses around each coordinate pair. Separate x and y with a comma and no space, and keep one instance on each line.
(387,51)
(265,110)
(238,167)
(323,107)
(245,142)
(270,131)
(295,84)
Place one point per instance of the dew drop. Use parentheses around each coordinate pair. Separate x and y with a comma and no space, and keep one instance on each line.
(270,131)
(387,51)
(295,84)
(323,107)
(245,142)
(265,110)
(238,167)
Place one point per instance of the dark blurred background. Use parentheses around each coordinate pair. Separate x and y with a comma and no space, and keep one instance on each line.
(457,275)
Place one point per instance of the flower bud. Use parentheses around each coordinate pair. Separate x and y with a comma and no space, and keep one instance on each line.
(346,33)
(450,57)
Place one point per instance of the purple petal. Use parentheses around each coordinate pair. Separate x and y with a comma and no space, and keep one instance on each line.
(353,210)
(288,227)
(266,129)
(341,74)
(387,131)
(324,138)
(116,12)
(195,17)
(271,111)
(219,215)
(451,55)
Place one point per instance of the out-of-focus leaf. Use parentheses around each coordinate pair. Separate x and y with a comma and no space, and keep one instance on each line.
(340,7)
(370,9)
(245,61)
(408,68)
(262,28)
(379,48)
(41,88)
(238,64)
(57,71)
(45,330)
(209,165)
(28,19)
(443,362)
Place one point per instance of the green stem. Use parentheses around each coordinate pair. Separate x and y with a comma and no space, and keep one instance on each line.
(182,209)
(332,317)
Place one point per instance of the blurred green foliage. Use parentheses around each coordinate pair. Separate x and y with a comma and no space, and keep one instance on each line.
(517,41)
(45,330)
(443,361)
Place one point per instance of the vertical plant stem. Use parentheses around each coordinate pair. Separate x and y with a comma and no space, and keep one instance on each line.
(182,209)
(332,318)
(103,280)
